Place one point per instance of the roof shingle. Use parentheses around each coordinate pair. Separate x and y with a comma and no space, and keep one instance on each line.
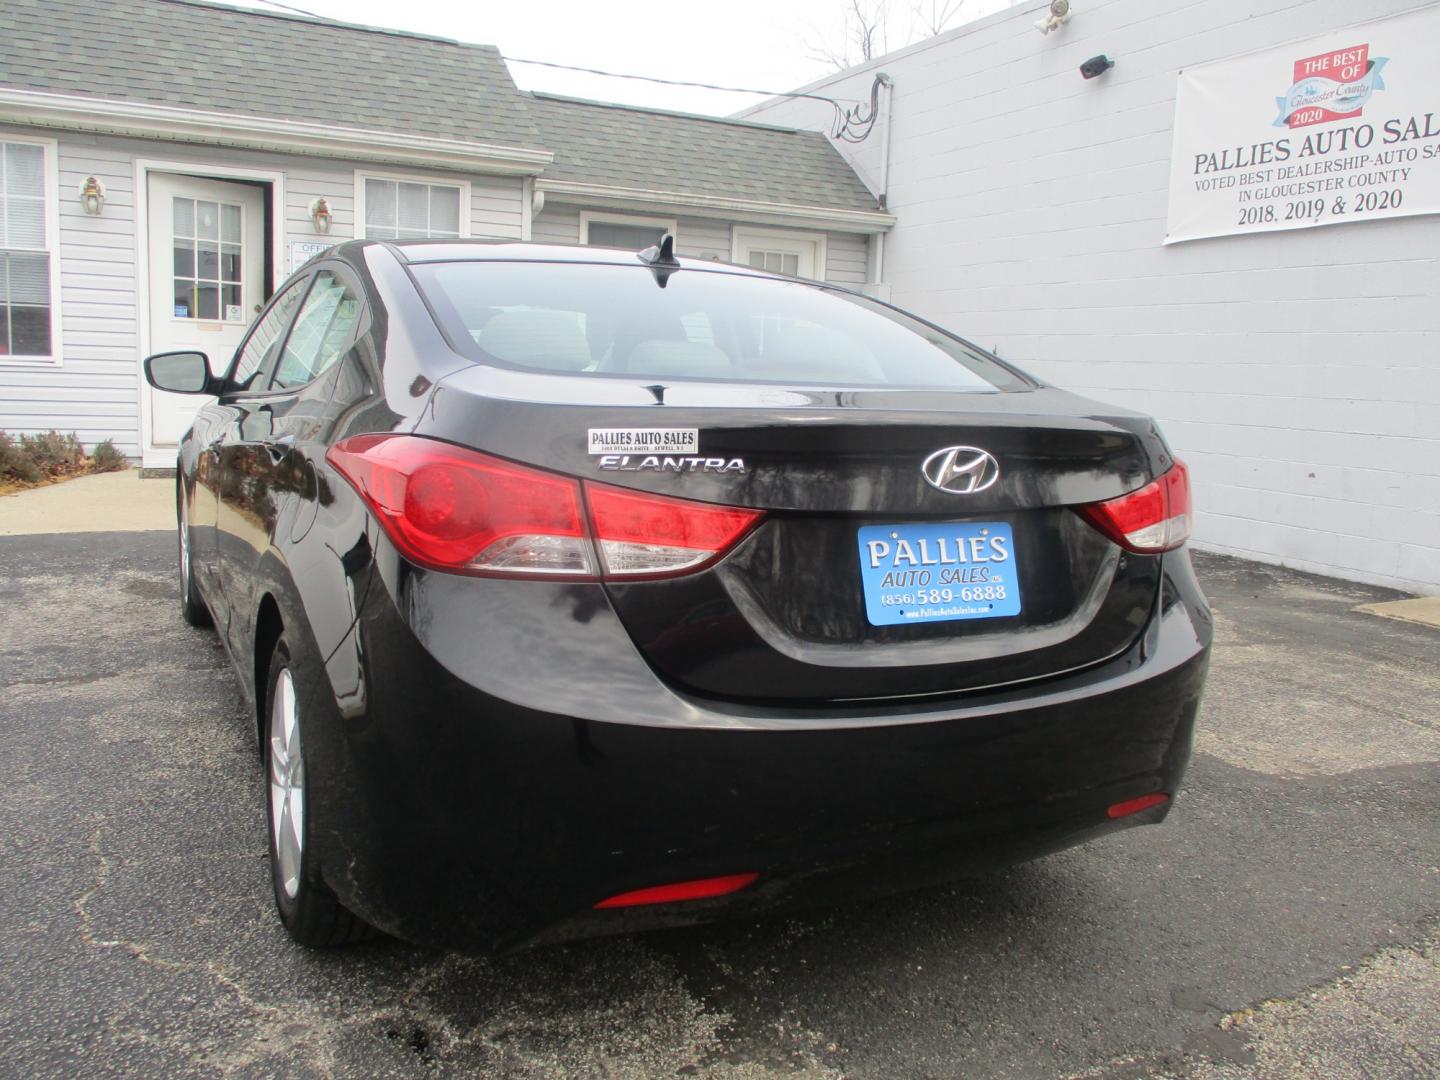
(255,63)
(599,143)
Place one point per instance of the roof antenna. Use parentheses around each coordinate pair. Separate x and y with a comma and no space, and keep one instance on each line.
(661,259)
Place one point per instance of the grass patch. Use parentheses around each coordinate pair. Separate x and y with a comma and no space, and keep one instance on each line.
(32,461)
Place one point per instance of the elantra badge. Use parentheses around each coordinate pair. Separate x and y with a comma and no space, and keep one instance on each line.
(658,463)
(961,470)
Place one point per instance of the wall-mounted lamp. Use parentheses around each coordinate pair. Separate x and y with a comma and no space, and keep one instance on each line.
(320,214)
(1058,15)
(92,195)
(1096,65)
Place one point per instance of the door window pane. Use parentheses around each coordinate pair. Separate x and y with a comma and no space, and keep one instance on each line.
(404,210)
(264,338)
(184,217)
(25,322)
(207,220)
(321,333)
(184,257)
(777,262)
(203,264)
(230,223)
(207,261)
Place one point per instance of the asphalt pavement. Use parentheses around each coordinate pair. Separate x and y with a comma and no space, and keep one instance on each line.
(1284,922)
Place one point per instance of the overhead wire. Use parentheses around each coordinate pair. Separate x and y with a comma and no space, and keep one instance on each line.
(296,10)
(851,124)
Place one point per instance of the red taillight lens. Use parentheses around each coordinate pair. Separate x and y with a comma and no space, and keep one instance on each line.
(702,889)
(449,508)
(646,535)
(1153,519)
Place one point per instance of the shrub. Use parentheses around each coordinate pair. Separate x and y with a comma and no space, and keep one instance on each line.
(15,465)
(106,458)
(55,455)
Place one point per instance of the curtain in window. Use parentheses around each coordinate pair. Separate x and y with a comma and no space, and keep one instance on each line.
(401,210)
(24,259)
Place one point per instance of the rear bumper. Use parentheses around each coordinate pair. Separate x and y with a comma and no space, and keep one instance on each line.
(501,779)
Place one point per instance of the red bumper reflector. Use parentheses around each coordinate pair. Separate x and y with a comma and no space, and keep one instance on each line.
(1134,806)
(681,890)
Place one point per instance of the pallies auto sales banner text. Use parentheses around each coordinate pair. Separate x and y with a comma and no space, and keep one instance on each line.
(1334,129)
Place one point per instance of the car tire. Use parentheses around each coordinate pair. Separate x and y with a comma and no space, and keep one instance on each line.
(308,909)
(192,604)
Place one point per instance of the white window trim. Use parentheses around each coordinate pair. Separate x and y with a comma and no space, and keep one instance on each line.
(410,178)
(794,243)
(670,225)
(51,151)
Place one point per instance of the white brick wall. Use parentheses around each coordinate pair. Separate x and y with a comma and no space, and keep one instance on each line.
(1297,372)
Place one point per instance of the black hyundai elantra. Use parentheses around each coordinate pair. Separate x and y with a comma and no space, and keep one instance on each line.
(578,591)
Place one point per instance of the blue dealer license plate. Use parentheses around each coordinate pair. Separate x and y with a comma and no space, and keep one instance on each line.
(937,573)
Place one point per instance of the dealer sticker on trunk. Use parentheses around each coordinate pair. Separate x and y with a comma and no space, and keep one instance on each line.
(643,440)
(936,573)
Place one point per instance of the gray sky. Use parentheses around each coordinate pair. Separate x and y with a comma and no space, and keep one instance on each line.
(753,43)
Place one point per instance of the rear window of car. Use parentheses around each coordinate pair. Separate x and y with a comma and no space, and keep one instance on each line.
(606,320)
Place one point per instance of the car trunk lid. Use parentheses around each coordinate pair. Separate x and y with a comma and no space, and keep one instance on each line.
(787,615)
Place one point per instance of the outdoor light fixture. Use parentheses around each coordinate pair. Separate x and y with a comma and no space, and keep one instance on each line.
(1096,65)
(92,196)
(1058,16)
(320,214)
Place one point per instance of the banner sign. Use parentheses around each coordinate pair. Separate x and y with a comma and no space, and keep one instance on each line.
(1339,128)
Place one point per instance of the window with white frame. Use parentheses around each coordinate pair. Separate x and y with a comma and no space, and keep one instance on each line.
(397,209)
(27,329)
(623,231)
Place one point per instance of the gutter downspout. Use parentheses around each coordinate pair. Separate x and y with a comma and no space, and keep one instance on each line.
(884,197)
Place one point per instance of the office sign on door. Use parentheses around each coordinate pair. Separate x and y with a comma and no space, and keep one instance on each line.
(1335,129)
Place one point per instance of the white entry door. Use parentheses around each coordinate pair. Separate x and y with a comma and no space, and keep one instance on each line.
(207,279)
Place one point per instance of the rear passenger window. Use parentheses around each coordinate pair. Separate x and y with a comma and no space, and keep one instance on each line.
(321,334)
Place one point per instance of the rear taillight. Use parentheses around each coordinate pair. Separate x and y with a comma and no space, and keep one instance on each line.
(645,535)
(1153,519)
(449,508)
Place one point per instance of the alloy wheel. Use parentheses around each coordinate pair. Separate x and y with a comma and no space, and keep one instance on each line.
(184,551)
(287,784)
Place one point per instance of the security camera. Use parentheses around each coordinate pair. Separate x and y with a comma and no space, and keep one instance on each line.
(1059,15)
(1096,65)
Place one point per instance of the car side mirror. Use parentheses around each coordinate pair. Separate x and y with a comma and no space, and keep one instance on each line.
(180,373)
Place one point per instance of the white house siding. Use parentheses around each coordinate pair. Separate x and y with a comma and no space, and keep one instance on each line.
(1298,373)
(94,392)
(846,258)
(707,238)
(496,207)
